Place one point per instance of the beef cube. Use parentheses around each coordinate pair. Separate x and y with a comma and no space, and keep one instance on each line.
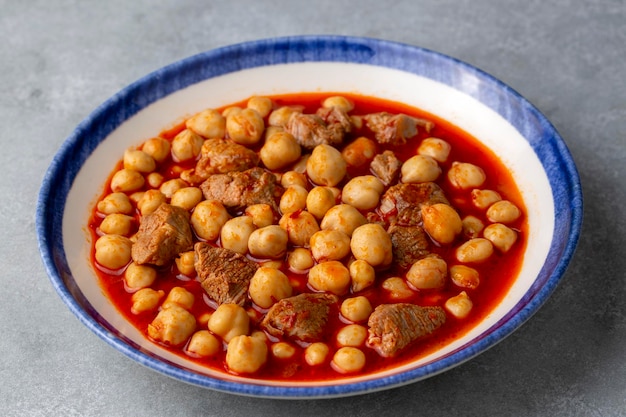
(402,203)
(392,327)
(302,317)
(409,244)
(241,189)
(332,115)
(219,156)
(162,236)
(394,129)
(311,130)
(386,167)
(224,274)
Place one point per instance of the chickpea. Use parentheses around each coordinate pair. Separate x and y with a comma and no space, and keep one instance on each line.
(150,201)
(186,146)
(169,187)
(348,359)
(316,353)
(283,350)
(319,200)
(441,222)
(352,335)
(338,102)
(185,263)
(371,243)
(245,127)
(300,260)
(420,168)
(428,273)
(300,226)
(208,123)
(280,116)
(300,165)
(146,299)
(472,226)
(356,309)
(270,130)
(503,212)
(436,148)
(113,251)
(261,214)
(268,242)
(138,161)
(269,285)
(126,180)
(137,276)
(178,296)
(115,203)
(280,150)
(465,277)
(359,152)
(246,354)
(157,148)
(362,275)
(172,326)
(293,199)
(326,166)
(331,276)
(459,306)
(482,199)
(203,344)
(262,105)
(363,192)
(272,263)
(154,179)
(228,321)
(236,232)
(330,245)
(501,236)
(464,175)
(186,197)
(208,218)
(397,288)
(290,178)
(344,218)
(231,110)
(136,196)
(474,250)
(116,224)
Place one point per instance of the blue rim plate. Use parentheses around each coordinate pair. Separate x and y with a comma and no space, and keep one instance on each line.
(549,149)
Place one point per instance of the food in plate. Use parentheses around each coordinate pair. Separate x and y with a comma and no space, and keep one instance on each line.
(308,236)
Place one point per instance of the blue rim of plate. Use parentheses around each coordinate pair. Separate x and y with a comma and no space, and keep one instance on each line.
(528,120)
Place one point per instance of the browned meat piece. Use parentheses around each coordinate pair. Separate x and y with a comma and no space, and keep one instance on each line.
(392,327)
(242,189)
(219,156)
(162,236)
(386,166)
(301,317)
(402,203)
(310,130)
(334,115)
(224,274)
(394,129)
(409,243)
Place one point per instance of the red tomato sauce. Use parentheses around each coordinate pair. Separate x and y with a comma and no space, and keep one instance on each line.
(497,274)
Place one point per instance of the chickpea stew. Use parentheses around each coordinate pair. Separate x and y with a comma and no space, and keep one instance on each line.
(308,236)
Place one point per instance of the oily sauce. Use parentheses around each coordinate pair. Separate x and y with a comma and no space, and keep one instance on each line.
(497,273)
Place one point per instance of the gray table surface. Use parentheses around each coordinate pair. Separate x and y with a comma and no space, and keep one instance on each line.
(62,58)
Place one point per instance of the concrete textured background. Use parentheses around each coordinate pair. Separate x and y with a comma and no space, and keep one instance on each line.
(62,58)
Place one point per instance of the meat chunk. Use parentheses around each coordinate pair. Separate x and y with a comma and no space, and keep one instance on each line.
(219,156)
(224,274)
(409,244)
(332,115)
(386,167)
(302,317)
(162,236)
(311,130)
(392,327)
(242,189)
(394,129)
(402,203)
